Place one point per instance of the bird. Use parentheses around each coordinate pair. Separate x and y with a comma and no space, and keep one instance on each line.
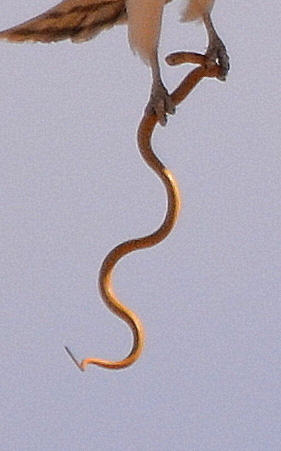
(81,20)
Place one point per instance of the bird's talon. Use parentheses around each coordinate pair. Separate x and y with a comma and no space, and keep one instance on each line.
(160,104)
(216,53)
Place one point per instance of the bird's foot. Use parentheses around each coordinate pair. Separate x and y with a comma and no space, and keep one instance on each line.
(217,53)
(160,103)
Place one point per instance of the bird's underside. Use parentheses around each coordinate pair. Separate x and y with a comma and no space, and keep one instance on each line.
(77,20)
(81,20)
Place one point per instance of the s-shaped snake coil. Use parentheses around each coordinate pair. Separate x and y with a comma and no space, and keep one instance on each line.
(206,69)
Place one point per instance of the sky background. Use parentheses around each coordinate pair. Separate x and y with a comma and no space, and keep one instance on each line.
(73,186)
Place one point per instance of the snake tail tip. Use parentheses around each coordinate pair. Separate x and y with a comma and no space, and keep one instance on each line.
(73,358)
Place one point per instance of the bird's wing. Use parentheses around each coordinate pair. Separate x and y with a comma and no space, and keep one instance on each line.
(78,20)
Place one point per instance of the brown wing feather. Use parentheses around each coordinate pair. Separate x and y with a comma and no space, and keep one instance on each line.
(78,20)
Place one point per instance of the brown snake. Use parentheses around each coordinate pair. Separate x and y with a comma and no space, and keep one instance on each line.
(145,130)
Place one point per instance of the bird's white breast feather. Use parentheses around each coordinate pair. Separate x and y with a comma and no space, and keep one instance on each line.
(197,8)
(144,25)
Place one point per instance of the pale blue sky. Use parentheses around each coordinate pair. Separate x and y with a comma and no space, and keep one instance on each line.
(73,186)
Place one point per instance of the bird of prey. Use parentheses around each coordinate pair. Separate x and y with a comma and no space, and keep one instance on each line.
(81,20)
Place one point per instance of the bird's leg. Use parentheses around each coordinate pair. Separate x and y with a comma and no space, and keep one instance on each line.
(216,50)
(160,102)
